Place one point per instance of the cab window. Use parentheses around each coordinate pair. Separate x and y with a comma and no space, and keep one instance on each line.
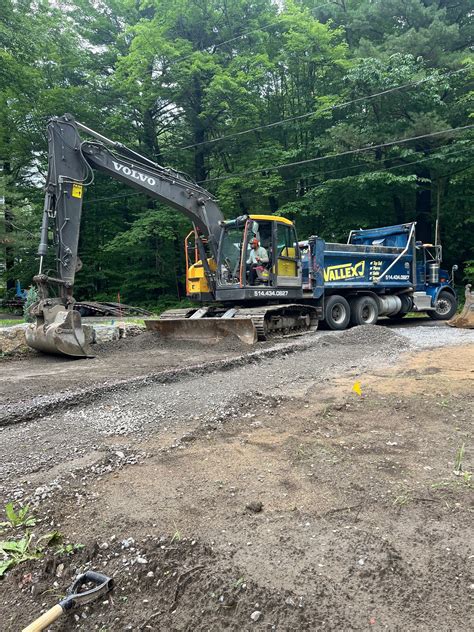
(287,250)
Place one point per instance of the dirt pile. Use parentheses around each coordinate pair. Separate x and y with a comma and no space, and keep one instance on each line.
(165,584)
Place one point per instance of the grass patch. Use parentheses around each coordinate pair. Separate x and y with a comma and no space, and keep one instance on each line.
(9,322)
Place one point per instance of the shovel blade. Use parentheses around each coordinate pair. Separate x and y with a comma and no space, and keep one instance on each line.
(59,332)
(205,330)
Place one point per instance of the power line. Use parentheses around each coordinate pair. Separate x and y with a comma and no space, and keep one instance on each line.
(359,165)
(239,37)
(309,187)
(408,164)
(202,50)
(326,109)
(343,153)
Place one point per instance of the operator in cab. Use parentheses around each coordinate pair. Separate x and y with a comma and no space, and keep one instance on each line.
(258,257)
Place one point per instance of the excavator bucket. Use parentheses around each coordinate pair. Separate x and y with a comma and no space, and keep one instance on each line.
(465,319)
(204,330)
(60,332)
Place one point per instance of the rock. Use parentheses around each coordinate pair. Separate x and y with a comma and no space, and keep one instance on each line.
(141,560)
(13,341)
(255,506)
(150,574)
(256,615)
(106,333)
(59,570)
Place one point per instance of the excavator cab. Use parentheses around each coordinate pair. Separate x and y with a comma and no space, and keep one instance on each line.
(282,271)
(230,275)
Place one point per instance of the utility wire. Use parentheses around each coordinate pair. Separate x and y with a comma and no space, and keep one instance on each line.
(343,153)
(309,187)
(326,109)
(242,36)
(199,50)
(408,164)
(361,164)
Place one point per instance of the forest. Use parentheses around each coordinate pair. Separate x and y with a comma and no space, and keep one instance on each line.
(338,114)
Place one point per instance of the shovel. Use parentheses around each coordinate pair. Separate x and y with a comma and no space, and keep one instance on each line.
(102,585)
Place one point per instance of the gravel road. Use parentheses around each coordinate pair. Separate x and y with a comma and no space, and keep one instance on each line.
(40,455)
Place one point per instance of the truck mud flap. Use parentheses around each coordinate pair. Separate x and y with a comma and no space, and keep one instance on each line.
(60,333)
(205,330)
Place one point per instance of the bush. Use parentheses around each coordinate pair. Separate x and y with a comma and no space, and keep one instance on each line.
(31,297)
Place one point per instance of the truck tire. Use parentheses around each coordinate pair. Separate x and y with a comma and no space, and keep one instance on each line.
(337,312)
(364,311)
(445,307)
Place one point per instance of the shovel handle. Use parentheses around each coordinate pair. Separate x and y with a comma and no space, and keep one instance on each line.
(46,619)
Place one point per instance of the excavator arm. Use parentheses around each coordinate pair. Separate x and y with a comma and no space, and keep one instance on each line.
(71,165)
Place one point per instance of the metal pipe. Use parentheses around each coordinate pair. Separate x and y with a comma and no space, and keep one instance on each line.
(405,250)
(43,245)
(95,134)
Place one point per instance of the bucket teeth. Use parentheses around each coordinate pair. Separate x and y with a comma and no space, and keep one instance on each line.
(60,332)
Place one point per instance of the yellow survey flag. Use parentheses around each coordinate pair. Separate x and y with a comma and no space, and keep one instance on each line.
(357,389)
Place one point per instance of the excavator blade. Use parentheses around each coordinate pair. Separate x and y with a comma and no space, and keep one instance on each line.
(204,330)
(465,320)
(60,332)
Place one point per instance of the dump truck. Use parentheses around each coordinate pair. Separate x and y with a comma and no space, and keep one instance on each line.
(378,272)
(296,285)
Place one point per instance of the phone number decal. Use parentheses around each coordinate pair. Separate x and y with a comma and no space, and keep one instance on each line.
(270,293)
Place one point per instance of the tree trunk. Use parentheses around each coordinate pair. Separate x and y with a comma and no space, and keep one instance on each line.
(149,136)
(399,210)
(8,240)
(423,215)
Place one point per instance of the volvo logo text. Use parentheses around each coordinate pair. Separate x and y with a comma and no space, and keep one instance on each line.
(134,174)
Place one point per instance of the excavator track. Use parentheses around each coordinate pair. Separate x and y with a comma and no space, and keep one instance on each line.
(249,324)
(281,320)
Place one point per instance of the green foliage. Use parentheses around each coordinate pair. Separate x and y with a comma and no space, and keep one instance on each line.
(171,77)
(31,297)
(20,518)
(28,546)
(17,551)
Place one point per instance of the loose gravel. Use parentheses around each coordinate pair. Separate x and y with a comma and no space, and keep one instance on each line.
(43,451)
(438,335)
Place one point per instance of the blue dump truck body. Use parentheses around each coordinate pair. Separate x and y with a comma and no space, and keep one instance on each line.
(386,264)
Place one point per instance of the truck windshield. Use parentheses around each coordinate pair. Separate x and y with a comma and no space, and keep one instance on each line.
(229,263)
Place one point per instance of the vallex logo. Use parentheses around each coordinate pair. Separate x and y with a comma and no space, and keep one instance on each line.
(344,271)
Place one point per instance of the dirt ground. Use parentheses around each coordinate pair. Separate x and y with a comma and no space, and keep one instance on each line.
(303,506)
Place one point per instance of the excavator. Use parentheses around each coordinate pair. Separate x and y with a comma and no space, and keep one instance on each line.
(216,251)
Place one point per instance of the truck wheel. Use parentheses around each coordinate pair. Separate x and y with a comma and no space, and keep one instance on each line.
(337,312)
(445,307)
(364,311)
